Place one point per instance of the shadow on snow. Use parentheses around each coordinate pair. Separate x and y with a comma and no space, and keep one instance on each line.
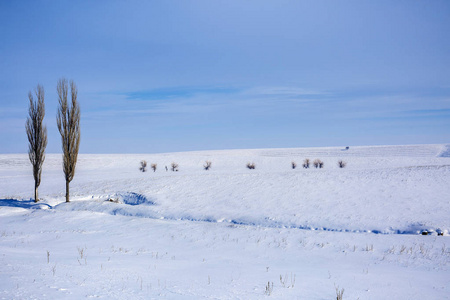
(29,204)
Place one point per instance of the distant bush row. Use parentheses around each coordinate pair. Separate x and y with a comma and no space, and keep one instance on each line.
(317,163)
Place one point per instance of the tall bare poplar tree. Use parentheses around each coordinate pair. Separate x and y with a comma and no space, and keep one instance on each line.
(68,121)
(37,135)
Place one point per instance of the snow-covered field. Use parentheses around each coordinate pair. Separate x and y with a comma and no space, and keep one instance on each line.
(228,232)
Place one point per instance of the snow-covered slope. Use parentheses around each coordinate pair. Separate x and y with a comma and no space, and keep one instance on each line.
(250,226)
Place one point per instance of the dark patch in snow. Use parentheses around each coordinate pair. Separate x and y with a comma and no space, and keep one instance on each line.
(130,198)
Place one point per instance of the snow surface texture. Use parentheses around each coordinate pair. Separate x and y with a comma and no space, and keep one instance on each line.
(227,232)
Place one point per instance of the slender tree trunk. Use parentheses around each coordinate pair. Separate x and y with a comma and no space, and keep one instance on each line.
(67,191)
(36,199)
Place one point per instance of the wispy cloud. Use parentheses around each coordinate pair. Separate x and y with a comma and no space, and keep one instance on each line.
(178,92)
(206,99)
(242,92)
(282,91)
(432,112)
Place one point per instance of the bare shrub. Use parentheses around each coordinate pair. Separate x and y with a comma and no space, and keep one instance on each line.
(37,135)
(306,163)
(143,166)
(207,165)
(318,163)
(153,166)
(251,166)
(294,165)
(68,121)
(342,164)
(174,167)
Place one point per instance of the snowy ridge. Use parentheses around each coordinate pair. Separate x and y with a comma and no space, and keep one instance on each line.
(432,150)
(124,209)
(360,151)
(445,151)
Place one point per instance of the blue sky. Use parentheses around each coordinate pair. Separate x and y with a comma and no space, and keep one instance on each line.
(166,76)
